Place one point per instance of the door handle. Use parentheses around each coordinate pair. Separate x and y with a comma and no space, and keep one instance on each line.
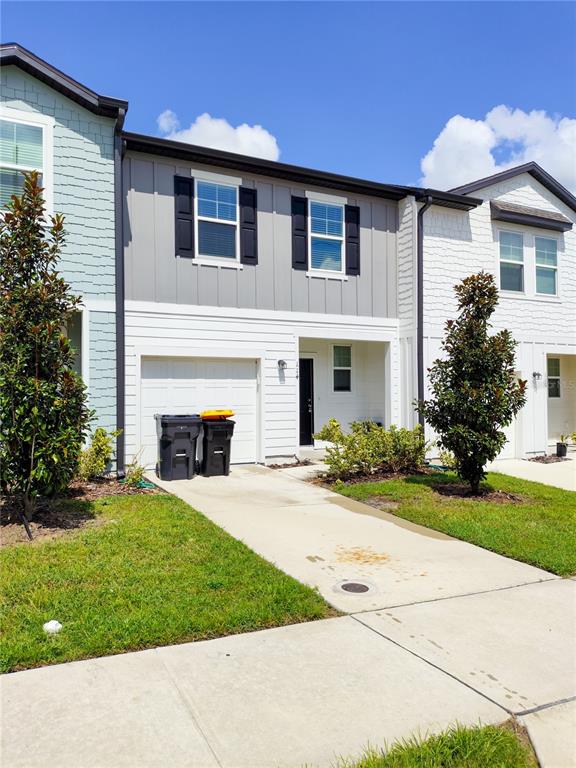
(309,406)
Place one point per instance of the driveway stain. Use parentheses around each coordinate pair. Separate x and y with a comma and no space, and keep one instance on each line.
(361,556)
(315,558)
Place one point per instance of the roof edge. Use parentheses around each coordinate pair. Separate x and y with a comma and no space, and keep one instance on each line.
(535,170)
(16,55)
(138,142)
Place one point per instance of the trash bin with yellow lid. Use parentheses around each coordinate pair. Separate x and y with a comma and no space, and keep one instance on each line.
(215,414)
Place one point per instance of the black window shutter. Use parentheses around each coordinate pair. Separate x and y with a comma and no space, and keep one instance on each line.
(248,199)
(299,233)
(184,215)
(352,218)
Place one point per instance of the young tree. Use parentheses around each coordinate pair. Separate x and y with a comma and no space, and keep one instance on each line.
(43,412)
(475,391)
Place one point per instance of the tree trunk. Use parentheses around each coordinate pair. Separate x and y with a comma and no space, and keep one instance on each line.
(29,506)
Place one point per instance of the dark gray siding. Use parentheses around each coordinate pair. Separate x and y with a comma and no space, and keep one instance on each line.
(154,273)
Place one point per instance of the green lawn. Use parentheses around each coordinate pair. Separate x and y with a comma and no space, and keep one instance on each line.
(540,530)
(459,747)
(157,572)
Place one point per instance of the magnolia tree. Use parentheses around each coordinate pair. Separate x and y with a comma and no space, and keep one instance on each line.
(475,392)
(43,411)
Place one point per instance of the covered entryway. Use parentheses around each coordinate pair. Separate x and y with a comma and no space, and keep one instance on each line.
(341,379)
(189,385)
(561,382)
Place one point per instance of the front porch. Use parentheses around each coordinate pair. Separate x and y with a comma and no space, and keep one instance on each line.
(561,374)
(342,379)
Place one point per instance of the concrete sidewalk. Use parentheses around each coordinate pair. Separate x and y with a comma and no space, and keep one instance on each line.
(286,697)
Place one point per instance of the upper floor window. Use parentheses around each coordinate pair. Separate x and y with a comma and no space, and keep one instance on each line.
(326,237)
(25,145)
(546,265)
(553,377)
(217,208)
(511,261)
(342,369)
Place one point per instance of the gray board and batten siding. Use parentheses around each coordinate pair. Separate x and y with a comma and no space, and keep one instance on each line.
(154,273)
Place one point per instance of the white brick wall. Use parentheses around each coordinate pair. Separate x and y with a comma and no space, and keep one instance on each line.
(457,244)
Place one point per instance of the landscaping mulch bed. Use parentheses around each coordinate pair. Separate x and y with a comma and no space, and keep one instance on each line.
(58,517)
(455,490)
(375,477)
(550,459)
(290,464)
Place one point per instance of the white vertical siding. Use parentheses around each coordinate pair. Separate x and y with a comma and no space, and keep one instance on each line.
(163,329)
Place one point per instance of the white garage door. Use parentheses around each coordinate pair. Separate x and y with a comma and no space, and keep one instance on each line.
(190,385)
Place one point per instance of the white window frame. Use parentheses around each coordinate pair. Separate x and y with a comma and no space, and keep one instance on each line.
(544,266)
(554,378)
(337,203)
(46,122)
(221,181)
(343,368)
(508,291)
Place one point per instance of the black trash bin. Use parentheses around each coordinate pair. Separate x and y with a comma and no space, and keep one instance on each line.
(177,437)
(216,447)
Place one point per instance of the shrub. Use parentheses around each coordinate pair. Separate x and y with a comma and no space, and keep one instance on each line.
(43,411)
(134,473)
(370,448)
(447,459)
(475,392)
(95,460)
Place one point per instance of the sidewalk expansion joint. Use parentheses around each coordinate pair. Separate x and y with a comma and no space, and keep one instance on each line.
(455,597)
(546,706)
(189,708)
(435,666)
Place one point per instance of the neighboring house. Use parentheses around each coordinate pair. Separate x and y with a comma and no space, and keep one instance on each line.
(288,294)
(523,233)
(57,126)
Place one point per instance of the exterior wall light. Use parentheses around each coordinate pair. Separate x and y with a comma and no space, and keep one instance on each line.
(536,375)
(282,365)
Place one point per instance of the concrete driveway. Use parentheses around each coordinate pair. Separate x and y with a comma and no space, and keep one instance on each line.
(324,539)
(561,474)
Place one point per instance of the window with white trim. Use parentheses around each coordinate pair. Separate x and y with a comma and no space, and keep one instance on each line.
(511,261)
(546,265)
(554,377)
(326,237)
(217,220)
(21,149)
(342,368)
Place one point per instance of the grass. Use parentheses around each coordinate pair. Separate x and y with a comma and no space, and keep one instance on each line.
(540,529)
(459,747)
(155,572)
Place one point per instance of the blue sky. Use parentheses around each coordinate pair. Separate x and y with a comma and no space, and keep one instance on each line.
(357,88)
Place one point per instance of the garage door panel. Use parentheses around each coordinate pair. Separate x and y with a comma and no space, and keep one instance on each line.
(174,385)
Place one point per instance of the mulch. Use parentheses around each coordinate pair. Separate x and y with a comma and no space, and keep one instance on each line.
(54,519)
(550,459)
(457,491)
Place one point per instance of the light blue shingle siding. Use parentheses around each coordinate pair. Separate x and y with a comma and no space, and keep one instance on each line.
(83,172)
(102,368)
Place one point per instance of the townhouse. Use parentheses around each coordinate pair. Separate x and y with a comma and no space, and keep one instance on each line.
(211,279)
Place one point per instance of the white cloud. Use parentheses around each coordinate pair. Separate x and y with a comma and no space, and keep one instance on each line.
(168,121)
(468,149)
(208,131)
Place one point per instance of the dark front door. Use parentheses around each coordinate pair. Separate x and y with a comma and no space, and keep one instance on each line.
(306,400)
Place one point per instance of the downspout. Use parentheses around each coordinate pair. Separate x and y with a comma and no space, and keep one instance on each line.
(120,325)
(428,200)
